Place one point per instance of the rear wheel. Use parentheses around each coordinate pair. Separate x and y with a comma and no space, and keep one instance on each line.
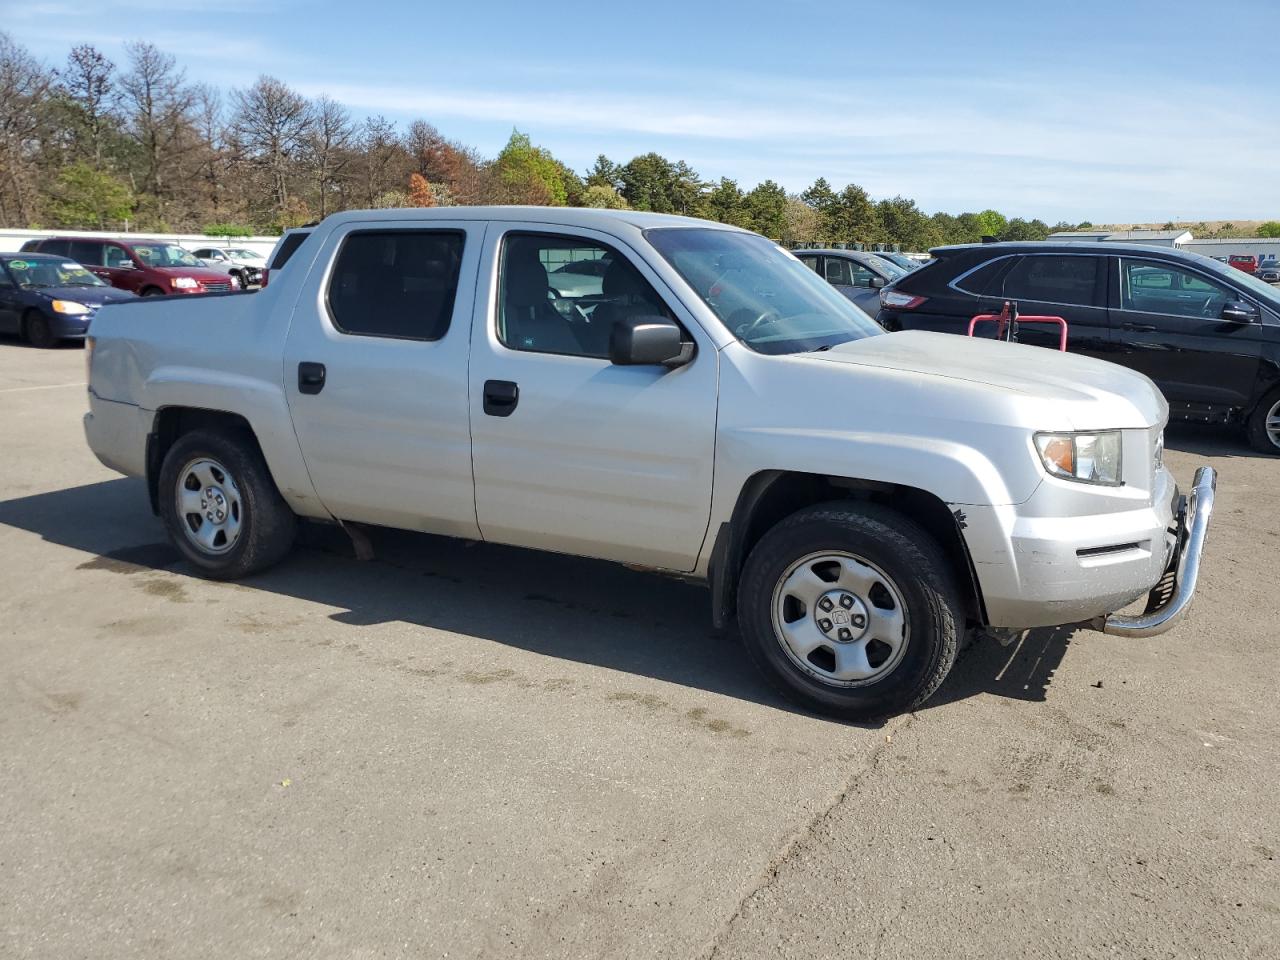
(850,610)
(221,507)
(37,331)
(1264,424)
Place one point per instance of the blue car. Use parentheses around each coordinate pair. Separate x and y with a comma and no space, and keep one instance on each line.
(46,299)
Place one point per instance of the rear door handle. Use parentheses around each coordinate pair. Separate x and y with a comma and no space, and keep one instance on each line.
(501,397)
(310,377)
(1139,327)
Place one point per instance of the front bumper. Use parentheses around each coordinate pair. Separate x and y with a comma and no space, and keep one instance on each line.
(1173,594)
(1074,554)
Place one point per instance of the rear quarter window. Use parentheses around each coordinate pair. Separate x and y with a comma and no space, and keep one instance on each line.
(980,281)
(288,246)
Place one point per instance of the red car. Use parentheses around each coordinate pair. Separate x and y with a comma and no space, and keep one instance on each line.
(149,268)
(1244,261)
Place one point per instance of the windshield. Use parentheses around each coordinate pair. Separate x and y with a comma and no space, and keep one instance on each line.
(241,254)
(890,268)
(51,272)
(165,255)
(765,296)
(1258,287)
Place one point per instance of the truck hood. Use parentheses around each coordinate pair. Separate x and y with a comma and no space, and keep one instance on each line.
(1094,393)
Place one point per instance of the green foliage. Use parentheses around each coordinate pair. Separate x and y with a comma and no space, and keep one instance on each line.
(85,197)
(603,196)
(1019,229)
(652,182)
(727,203)
(766,208)
(529,174)
(1270,229)
(991,223)
(230,230)
(605,173)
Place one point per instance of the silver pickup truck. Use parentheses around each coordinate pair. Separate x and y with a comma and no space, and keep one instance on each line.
(662,392)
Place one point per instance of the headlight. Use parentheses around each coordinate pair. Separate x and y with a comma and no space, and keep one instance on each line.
(70,307)
(183,283)
(1087,457)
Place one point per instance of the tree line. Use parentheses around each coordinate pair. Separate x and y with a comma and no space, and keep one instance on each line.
(91,144)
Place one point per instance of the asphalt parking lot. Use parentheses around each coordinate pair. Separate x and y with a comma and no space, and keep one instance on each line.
(467,751)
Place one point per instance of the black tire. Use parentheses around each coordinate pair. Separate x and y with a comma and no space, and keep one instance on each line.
(238,277)
(917,569)
(1256,425)
(267,525)
(36,329)
(153,292)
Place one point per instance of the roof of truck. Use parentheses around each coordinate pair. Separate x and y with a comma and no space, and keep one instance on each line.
(564,216)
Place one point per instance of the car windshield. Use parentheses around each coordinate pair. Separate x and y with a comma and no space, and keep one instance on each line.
(164,255)
(1254,285)
(765,296)
(51,272)
(239,253)
(891,269)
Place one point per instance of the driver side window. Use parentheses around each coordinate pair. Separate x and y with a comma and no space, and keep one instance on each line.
(1150,286)
(560,294)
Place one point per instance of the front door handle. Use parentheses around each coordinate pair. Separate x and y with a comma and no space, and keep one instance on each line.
(500,397)
(310,377)
(1139,327)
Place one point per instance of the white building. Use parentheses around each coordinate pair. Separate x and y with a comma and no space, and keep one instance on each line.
(1263,248)
(1159,238)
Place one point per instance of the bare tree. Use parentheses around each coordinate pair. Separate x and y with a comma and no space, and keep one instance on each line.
(158,102)
(207,117)
(328,148)
(25,84)
(88,83)
(271,123)
(386,163)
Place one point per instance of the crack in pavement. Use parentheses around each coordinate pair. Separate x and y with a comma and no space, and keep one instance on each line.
(792,844)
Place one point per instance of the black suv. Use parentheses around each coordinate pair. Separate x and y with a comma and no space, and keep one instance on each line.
(1207,334)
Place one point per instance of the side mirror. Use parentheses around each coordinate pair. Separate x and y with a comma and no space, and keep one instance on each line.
(637,341)
(126,265)
(1237,311)
(877,283)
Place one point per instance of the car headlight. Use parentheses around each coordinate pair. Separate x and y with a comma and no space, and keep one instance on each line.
(1087,457)
(183,283)
(70,308)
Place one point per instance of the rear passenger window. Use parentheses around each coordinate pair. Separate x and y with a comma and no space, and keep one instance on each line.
(396,283)
(84,252)
(1067,279)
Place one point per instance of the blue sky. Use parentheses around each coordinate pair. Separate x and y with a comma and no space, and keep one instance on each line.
(1120,111)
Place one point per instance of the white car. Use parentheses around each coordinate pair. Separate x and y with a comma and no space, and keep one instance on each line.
(243,265)
(856,500)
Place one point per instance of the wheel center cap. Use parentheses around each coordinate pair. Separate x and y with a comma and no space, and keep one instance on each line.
(215,502)
(841,616)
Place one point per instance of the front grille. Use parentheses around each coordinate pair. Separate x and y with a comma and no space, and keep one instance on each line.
(216,286)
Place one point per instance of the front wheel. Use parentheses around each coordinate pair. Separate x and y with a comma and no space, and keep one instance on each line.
(1264,424)
(38,332)
(221,507)
(850,609)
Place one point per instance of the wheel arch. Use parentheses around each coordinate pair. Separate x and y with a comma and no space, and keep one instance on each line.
(771,495)
(170,423)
